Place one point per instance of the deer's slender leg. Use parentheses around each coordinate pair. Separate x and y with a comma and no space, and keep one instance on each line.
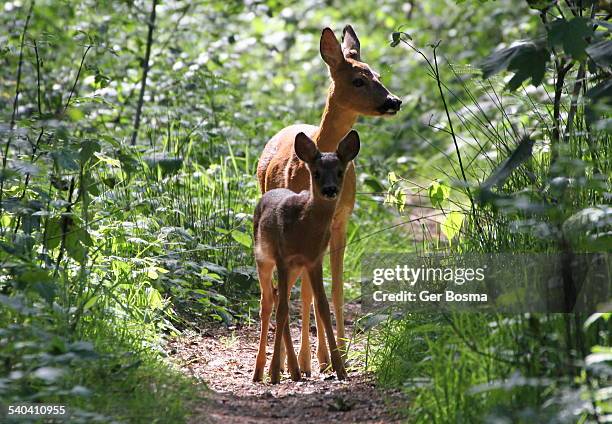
(337,245)
(283,347)
(316,279)
(264,270)
(304,355)
(285,280)
(292,362)
(322,351)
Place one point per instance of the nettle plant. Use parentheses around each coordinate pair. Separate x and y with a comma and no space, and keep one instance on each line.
(574,53)
(543,165)
(576,39)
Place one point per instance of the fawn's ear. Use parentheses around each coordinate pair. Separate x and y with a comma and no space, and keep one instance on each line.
(305,149)
(330,49)
(350,43)
(349,147)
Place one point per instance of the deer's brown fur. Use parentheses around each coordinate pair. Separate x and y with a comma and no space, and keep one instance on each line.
(292,231)
(355,90)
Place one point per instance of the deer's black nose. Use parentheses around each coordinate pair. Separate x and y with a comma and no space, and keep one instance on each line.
(330,192)
(391,105)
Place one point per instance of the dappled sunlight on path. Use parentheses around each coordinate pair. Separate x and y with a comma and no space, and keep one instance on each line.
(224,360)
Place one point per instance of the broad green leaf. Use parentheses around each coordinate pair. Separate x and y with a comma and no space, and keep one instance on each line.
(154,298)
(46,290)
(5,219)
(167,165)
(401,200)
(527,60)
(53,234)
(452,225)
(35,275)
(91,303)
(88,147)
(152,273)
(75,114)
(83,236)
(571,35)
(438,193)
(66,159)
(242,238)
(74,248)
(106,159)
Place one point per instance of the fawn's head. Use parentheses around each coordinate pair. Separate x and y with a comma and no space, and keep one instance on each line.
(356,85)
(327,169)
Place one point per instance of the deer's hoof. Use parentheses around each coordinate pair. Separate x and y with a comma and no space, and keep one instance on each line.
(305,365)
(324,360)
(275,377)
(342,366)
(257,376)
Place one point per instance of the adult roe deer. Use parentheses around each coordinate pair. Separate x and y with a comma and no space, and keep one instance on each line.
(355,90)
(292,232)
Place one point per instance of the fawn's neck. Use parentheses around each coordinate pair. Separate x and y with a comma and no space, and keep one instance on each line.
(319,210)
(337,120)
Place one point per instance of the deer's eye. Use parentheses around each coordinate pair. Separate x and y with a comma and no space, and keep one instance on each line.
(358,82)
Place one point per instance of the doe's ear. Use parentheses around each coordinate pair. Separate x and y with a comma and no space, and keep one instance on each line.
(305,149)
(330,49)
(350,43)
(349,147)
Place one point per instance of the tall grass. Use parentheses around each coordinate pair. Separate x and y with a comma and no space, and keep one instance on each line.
(493,368)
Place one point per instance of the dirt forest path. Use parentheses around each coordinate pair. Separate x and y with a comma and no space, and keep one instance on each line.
(224,358)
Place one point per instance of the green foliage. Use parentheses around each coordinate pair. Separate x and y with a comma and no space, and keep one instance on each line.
(107,249)
(438,193)
(532,177)
(572,35)
(482,368)
(451,227)
(527,60)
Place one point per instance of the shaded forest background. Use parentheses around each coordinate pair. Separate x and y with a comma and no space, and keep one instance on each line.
(130,132)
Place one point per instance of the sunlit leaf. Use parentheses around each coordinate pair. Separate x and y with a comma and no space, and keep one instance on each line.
(438,193)
(451,226)
(242,238)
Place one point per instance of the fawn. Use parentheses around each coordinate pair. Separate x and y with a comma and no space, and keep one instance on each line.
(292,231)
(355,90)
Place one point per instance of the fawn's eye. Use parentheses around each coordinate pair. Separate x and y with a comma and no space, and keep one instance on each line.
(358,82)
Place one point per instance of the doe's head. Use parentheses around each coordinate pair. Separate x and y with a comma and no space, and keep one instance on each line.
(327,169)
(356,85)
